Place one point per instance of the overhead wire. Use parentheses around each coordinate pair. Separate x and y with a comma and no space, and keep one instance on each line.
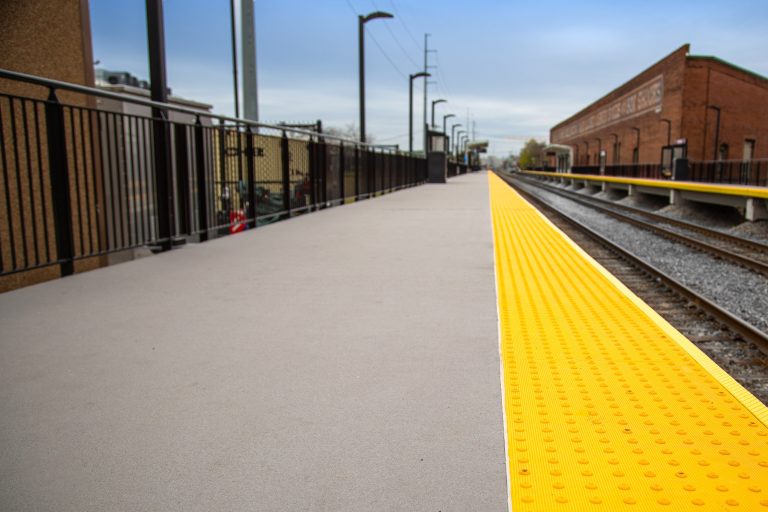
(402,22)
(376,42)
(397,40)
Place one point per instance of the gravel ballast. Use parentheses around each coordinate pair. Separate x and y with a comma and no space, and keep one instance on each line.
(742,292)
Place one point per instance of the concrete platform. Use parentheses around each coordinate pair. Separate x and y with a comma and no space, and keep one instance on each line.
(343,360)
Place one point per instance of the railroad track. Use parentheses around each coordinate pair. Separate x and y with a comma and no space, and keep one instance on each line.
(702,321)
(746,253)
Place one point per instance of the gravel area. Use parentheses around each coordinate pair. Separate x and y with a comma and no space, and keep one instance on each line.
(742,292)
(723,218)
(757,230)
(711,215)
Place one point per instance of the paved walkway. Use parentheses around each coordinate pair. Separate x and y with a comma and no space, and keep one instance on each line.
(343,360)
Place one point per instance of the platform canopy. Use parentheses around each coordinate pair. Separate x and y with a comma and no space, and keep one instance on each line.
(481,146)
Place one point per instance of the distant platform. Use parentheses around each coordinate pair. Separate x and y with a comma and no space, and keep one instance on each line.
(751,199)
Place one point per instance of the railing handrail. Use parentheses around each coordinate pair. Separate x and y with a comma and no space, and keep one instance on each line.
(84,89)
(730,161)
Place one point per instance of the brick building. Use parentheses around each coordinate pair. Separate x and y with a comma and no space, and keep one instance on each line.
(698,107)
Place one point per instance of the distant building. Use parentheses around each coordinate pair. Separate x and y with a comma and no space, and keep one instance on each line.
(699,107)
(123,82)
(105,77)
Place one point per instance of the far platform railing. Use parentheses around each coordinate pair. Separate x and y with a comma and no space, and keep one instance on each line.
(104,172)
(733,172)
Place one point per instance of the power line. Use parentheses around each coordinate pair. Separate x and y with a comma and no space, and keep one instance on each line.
(376,42)
(353,8)
(397,40)
(441,78)
(402,21)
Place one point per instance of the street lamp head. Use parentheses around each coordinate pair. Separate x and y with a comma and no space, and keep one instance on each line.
(435,102)
(446,116)
(420,74)
(375,15)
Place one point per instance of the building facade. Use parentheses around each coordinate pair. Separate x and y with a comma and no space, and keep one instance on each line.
(698,107)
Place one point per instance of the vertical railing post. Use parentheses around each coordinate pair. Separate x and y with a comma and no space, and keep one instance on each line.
(323,174)
(160,133)
(250,155)
(163,189)
(357,172)
(286,174)
(59,174)
(312,149)
(372,173)
(202,182)
(183,192)
(342,171)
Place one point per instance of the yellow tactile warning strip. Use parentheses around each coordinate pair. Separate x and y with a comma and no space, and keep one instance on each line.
(709,188)
(607,406)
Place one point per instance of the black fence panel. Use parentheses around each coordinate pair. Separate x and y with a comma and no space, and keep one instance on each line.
(350,171)
(332,172)
(78,184)
(734,172)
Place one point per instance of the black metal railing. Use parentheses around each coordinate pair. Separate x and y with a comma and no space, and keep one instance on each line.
(650,171)
(455,168)
(81,179)
(734,172)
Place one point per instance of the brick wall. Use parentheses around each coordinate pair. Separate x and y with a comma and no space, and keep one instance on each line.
(653,132)
(690,84)
(743,100)
(52,39)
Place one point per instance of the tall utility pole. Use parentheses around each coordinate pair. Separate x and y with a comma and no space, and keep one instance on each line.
(161,136)
(248,34)
(234,55)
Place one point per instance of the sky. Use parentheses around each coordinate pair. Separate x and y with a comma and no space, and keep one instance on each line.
(512,69)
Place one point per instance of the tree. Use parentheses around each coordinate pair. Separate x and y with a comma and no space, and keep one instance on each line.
(349,131)
(532,155)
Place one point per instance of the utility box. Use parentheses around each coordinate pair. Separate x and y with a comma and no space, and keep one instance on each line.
(437,163)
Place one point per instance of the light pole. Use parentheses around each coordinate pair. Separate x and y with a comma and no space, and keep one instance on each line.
(669,130)
(453,133)
(456,144)
(717,129)
(445,117)
(361,21)
(410,107)
(433,109)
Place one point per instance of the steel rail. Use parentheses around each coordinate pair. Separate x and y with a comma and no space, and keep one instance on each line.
(713,233)
(720,252)
(747,331)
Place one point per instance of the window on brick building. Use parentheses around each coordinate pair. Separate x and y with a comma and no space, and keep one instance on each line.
(616,152)
(749,149)
(636,155)
(722,154)
(746,164)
